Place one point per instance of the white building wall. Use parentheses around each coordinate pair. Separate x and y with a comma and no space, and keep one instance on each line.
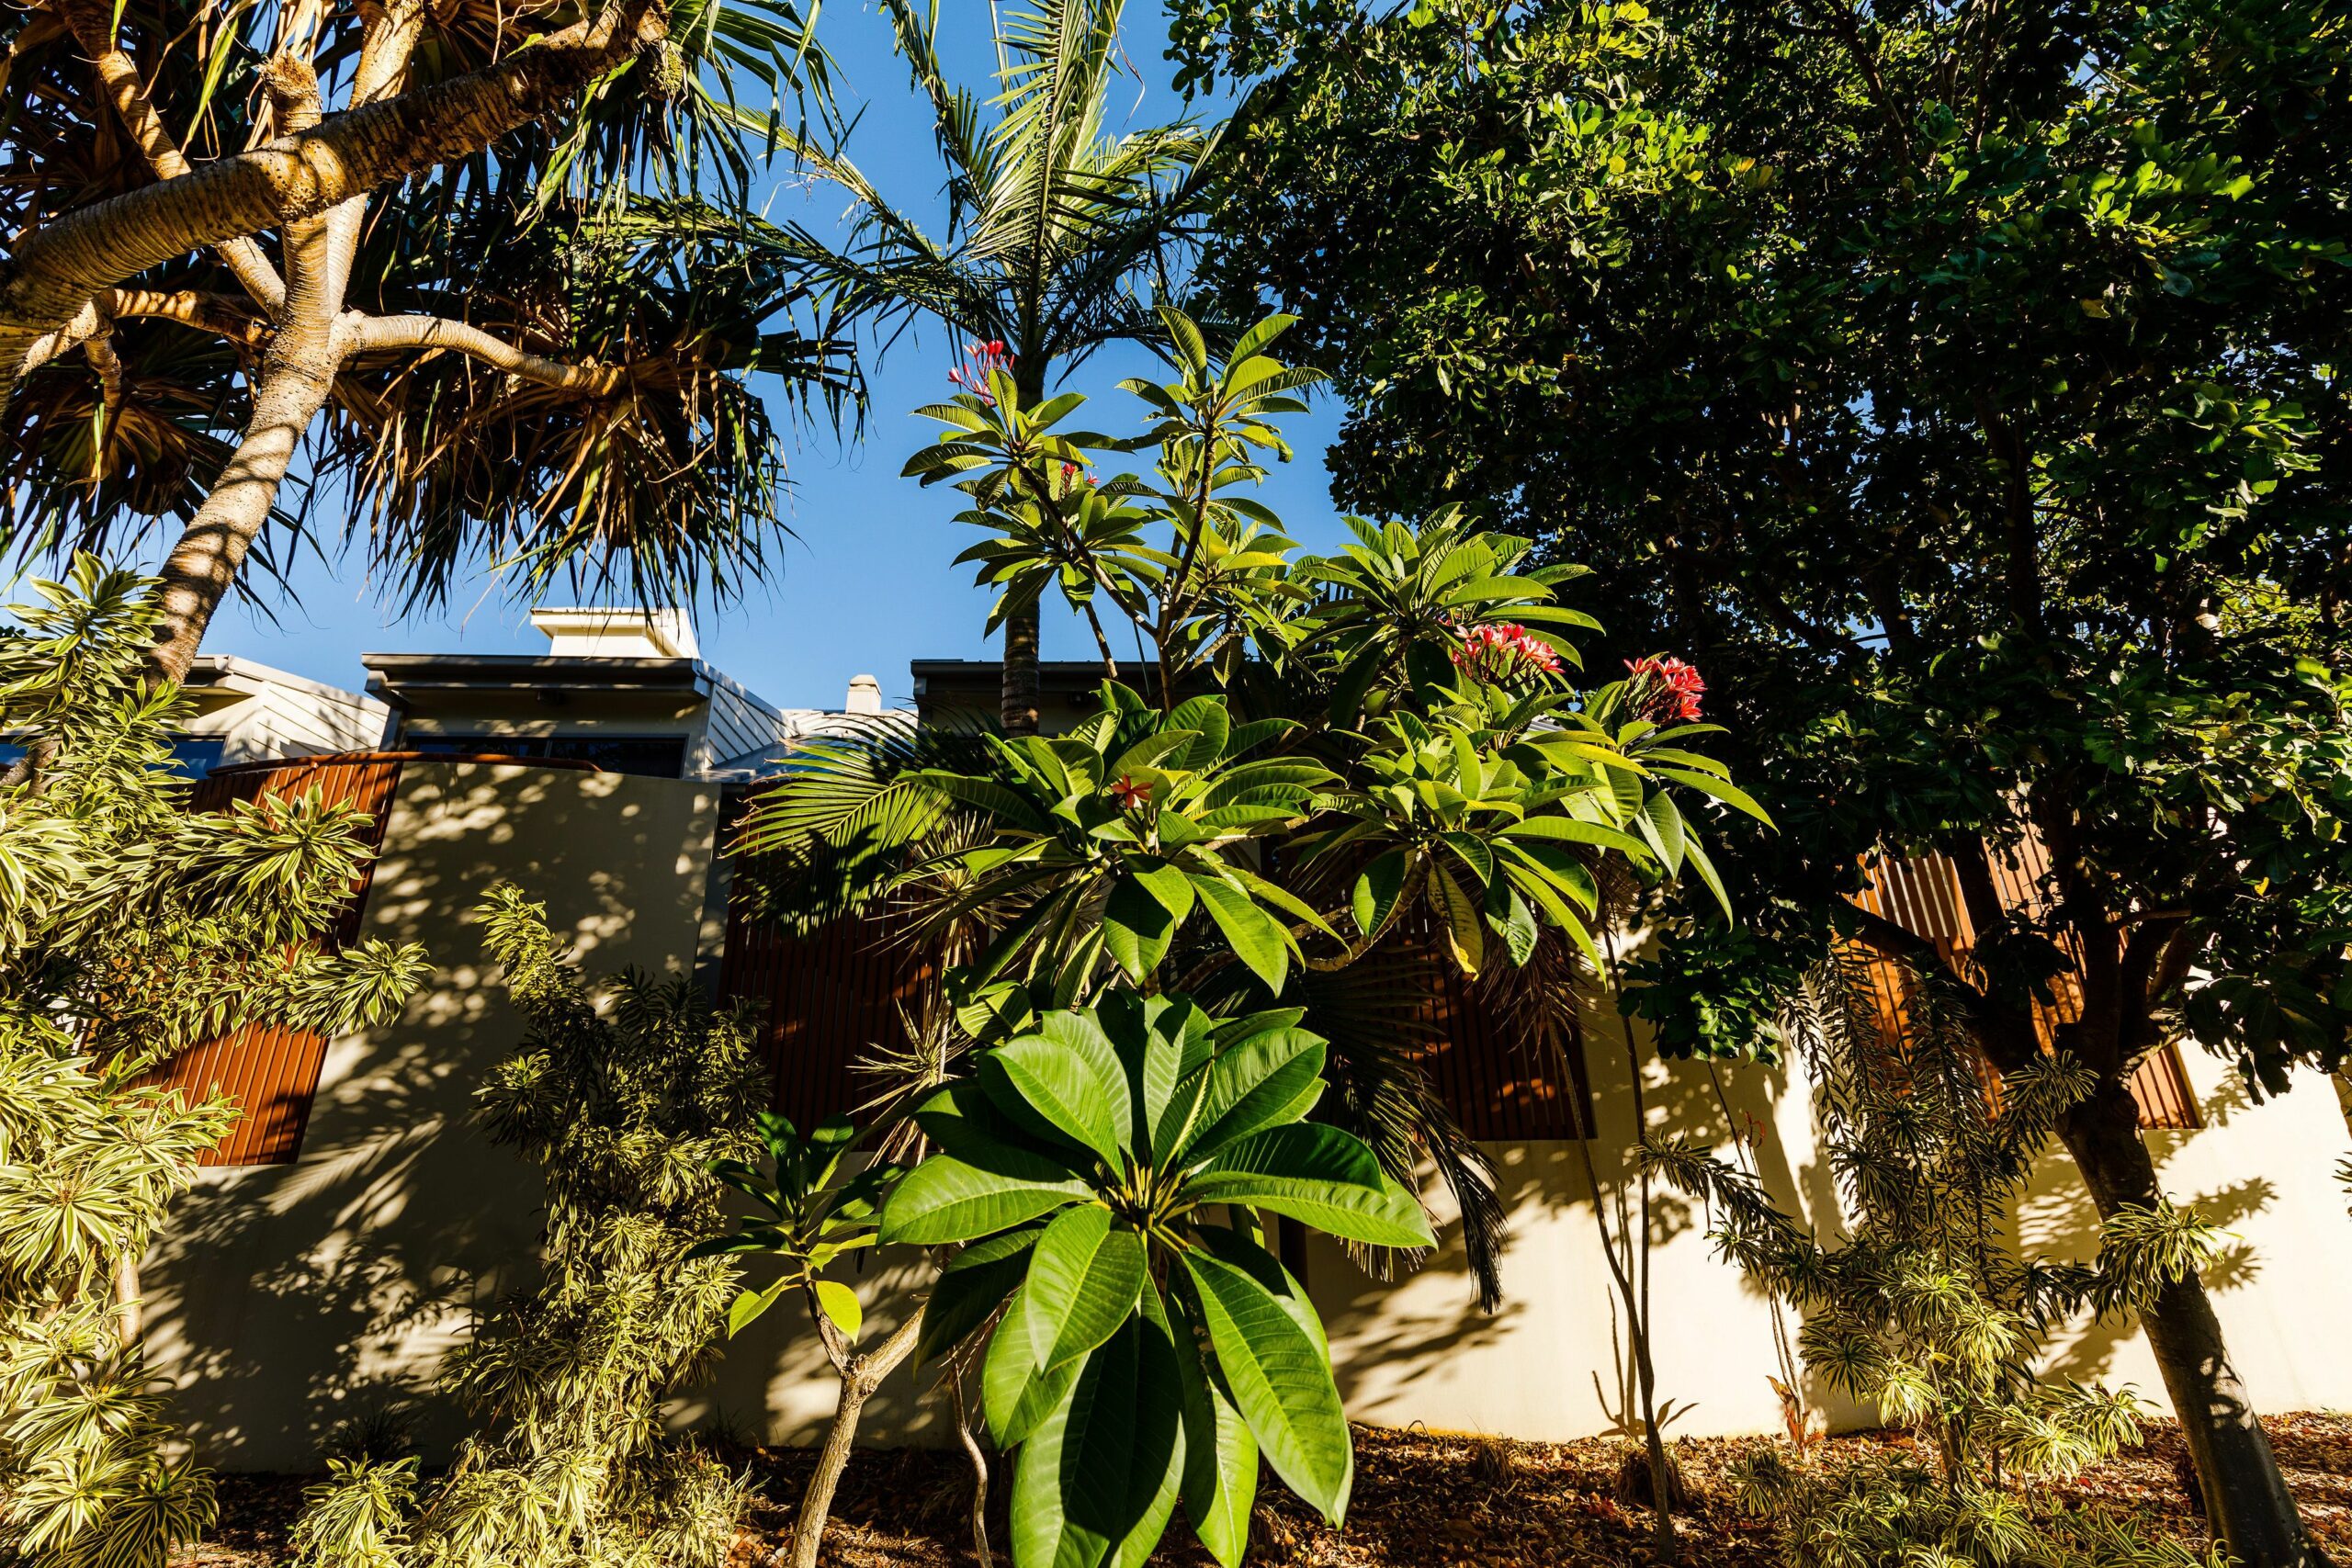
(286,1298)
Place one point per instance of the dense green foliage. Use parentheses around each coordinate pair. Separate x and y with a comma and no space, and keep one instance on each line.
(1143,1349)
(131,928)
(1958,384)
(624,1110)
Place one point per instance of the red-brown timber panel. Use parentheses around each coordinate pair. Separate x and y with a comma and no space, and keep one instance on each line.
(830,998)
(271,1071)
(1922,896)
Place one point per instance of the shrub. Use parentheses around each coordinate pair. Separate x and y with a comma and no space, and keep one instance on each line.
(130,929)
(1923,1308)
(624,1111)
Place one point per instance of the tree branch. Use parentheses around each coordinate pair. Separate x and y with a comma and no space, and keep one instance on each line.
(221,313)
(374,335)
(92,23)
(57,268)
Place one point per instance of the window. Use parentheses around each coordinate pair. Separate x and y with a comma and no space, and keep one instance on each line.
(197,755)
(655,756)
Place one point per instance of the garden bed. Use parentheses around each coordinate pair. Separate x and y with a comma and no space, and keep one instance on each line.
(1422,1501)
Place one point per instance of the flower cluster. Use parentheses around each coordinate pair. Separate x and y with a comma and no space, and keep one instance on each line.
(980,360)
(1665,690)
(1504,651)
(1072,474)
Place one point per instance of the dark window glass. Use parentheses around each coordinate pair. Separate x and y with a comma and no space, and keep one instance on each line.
(477,745)
(657,756)
(197,755)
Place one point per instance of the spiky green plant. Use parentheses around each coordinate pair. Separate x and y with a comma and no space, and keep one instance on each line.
(624,1110)
(1924,1308)
(130,930)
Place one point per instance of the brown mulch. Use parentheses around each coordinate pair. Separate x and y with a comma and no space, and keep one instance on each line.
(1423,1500)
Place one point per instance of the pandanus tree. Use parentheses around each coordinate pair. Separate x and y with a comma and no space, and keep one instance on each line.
(1053,224)
(404,252)
(1173,916)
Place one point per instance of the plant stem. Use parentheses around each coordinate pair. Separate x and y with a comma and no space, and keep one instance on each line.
(860,1376)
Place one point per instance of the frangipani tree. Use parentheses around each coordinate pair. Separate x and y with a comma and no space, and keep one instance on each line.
(1169,897)
(1107,1174)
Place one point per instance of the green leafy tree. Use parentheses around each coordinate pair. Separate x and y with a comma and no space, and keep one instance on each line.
(132,929)
(463,266)
(1920,1309)
(625,1111)
(1052,224)
(1144,1350)
(1208,593)
(1959,385)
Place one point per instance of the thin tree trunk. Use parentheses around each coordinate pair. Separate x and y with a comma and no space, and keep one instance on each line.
(2245,1495)
(131,1321)
(1019,700)
(860,1377)
(979,1458)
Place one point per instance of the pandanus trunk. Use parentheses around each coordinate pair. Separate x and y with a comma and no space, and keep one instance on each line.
(2247,1498)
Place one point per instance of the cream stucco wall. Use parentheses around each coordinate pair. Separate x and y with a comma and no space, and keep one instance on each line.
(290,1297)
(286,1299)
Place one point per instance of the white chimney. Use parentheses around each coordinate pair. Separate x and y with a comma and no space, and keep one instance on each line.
(618,634)
(864,694)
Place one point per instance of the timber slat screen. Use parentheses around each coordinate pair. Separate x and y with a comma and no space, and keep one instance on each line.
(1922,896)
(272,1072)
(830,998)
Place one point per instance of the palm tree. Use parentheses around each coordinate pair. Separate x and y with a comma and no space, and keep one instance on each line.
(460,319)
(1051,222)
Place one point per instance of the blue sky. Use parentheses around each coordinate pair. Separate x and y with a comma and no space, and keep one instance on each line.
(867,585)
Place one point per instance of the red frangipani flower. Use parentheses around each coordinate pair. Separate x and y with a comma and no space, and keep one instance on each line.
(980,359)
(1665,690)
(1131,793)
(1504,651)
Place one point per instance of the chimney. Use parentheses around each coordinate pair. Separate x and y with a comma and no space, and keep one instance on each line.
(864,696)
(616,633)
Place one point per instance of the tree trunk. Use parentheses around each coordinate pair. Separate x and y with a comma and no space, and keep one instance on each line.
(1019,702)
(2245,1495)
(860,1378)
(295,376)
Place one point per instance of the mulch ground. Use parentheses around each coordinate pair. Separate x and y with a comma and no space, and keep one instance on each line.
(1422,1501)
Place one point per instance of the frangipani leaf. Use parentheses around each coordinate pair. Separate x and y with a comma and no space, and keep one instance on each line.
(945,1199)
(1280,1380)
(1084,1277)
(1320,1175)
